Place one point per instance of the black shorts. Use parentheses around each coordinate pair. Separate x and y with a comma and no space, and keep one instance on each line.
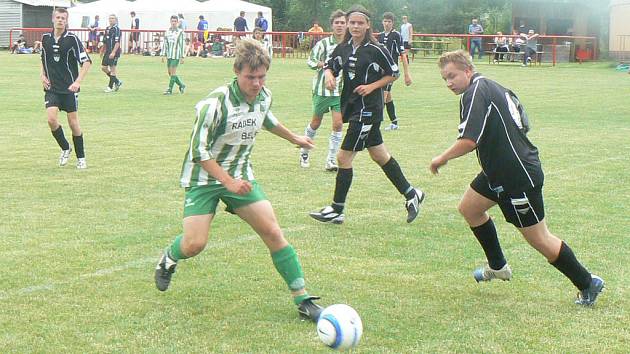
(406,45)
(521,209)
(135,36)
(65,102)
(109,62)
(360,136)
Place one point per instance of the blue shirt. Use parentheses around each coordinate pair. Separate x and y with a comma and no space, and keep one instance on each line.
(202,25)
(261,23)
(475,29)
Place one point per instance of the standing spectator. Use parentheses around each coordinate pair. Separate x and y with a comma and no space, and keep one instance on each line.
(366,67)
(261,22)
(183,25)
(531,44)
(112,53)
(502,46)
(93,35)
(406,32)
(134,44)
(61,78)
(202,27)
(259,35)
(240,23)
(173,50)
(475,42)
(316,28)
(493,123)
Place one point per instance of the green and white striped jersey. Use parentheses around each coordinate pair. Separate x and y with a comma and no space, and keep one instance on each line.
(173,45)
(321,52)
(225,131)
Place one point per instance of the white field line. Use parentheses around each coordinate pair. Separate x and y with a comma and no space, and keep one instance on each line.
(137,263)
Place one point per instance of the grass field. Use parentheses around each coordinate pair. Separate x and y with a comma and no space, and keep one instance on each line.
(80,246)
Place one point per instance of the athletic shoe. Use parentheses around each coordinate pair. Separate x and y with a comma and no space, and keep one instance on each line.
(167,93)
(588,296)
(495,61)
(164,271)
(413,205)
(182,89)
(392,126)
(309,310)
(117,85)
(328,214)
(81,164)
(64,157)
(485,273)
(331,166)
(304,161)
(108,89)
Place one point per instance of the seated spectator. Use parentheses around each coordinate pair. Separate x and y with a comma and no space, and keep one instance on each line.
(19,43)
(502,46)
(157,47)
(231,47)
(218,47)
(516,42)
(21,47)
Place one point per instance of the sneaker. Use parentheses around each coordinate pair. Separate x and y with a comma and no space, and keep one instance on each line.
(117,85)
(168,93)
(523,65)
(328,214)
(413,205)
(486,273)
(588,296)
(392,126)
(164,271)
(331,166)
(495,61)
(309,310)
(64,157)
(182,89)
(304,161)
(108,89)
(81,164)
(529,60)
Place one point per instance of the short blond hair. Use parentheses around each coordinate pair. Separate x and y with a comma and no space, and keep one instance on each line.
(250,53)
(460,58)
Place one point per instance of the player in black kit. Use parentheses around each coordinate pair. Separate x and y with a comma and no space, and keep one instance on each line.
(494,123)
(109,64)
(62,51)
(367,67)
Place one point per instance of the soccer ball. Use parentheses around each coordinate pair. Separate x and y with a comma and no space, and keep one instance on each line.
(340,327)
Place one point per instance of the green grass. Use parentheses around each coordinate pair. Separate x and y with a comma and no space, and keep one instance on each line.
(79,247)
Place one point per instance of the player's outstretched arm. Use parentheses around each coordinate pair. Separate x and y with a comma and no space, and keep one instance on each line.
(299,140)
(459,148)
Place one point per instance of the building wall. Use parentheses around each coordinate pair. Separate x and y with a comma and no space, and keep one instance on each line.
(10,17)
(619,38)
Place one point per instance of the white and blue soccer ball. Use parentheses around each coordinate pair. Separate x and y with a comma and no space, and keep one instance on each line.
(340,327)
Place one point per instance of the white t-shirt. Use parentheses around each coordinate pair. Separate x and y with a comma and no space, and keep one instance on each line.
(405,28)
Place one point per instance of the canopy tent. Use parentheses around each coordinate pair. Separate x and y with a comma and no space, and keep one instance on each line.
(155,14)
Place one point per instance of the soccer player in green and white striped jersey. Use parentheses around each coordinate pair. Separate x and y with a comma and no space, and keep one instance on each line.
(217,167)
(325,100)
(173,51)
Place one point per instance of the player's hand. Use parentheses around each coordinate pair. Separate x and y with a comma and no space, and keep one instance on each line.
(304,142)
(45,82)
(436,163)
(111,56)
(364,90)
(74,87)
(331,82)
(238,186)
(320,64)
(408,80)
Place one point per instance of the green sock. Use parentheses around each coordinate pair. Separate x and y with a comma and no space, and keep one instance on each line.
(289,267)
(171,83)
(175,250)
(178,81)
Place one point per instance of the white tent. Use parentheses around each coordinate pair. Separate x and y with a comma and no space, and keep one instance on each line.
(155,14)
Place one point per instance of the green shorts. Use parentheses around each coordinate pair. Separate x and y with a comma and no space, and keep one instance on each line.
(203,200)
(323,104)
(172,63)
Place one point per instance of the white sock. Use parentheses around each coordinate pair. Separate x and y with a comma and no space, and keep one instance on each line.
(334,142)
(310,133)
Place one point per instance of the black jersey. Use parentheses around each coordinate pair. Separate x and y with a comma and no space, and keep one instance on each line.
(364,65)
(393,42)
(60,59)
(492,117)
(112,36)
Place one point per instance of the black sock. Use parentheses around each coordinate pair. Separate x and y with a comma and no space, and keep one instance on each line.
(78,146)
(342,186)
(486,234)
(568,265)
(391,112)
(394,173)
(116,81)
(111,81)
(61,139)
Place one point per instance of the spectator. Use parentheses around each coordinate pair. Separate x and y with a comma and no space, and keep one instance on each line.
(134,40)
(502,46)
(240,23)
(20,43)
(475,42)
(259,35)
(218,47)
(406,32)
(93,35)
(202,27)
(531,42)
(316,28)
(515,43)
(261,22)
(183,25)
